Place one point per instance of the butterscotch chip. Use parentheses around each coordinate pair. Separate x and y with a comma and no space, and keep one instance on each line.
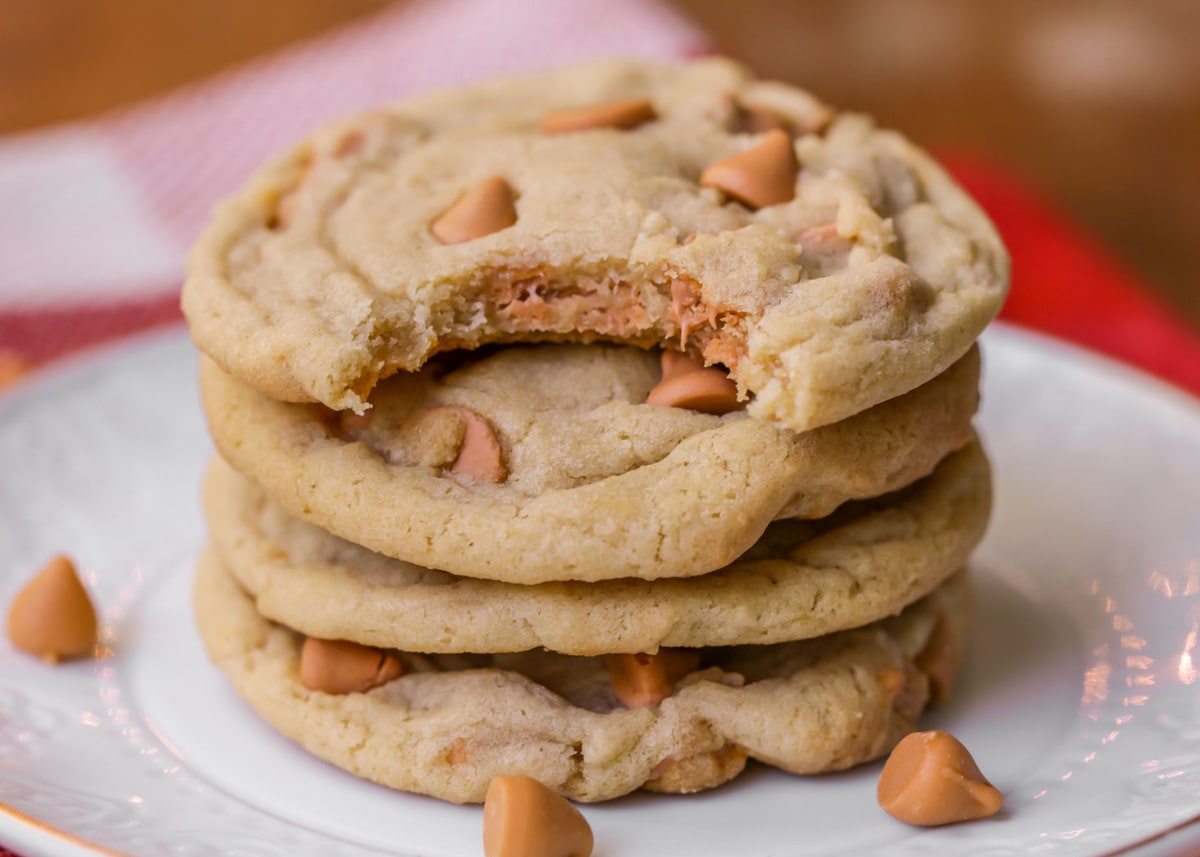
(453,723)
(486,208)
(598,484)
(676,363)
(931,779)
(715,394)
(340,666)
(523,818)
(624,114)
(706,390)
(647,679)
(52,616)
(480,457)
(613,227)
(760,176)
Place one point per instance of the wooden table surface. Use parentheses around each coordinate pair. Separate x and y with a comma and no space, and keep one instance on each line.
(1095,103)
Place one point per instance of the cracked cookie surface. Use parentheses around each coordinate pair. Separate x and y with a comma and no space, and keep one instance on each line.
(453,722)
(865,274)
(802,579)
(597,484)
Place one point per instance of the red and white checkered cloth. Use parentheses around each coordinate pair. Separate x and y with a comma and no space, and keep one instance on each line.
(96,217)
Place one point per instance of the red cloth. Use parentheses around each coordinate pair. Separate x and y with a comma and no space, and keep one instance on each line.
(1067,285)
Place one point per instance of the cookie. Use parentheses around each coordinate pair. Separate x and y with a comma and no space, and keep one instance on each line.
(802,579)
(827,264)
(597,484)
(453,722)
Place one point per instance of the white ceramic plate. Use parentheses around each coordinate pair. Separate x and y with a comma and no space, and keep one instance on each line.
(1081,700)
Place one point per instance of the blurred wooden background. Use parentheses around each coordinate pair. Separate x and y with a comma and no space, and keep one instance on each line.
(1095,102)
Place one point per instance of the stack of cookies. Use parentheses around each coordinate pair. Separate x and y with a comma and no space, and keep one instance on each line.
(610,426)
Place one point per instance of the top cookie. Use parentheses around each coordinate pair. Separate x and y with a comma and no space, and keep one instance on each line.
(828,264)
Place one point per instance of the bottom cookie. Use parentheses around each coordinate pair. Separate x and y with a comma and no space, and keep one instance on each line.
(453,722)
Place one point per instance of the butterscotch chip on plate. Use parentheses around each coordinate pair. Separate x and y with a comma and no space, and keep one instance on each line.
(523,818)
(452,723)
(827,264)
(931,779)
(802,579)
(539,463)
(52,616)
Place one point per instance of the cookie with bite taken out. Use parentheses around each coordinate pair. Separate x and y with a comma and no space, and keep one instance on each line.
(826,264)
